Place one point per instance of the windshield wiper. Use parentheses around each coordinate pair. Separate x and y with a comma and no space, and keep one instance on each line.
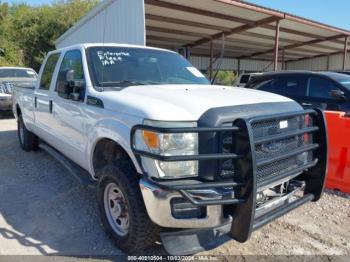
(124,82)
(153,83)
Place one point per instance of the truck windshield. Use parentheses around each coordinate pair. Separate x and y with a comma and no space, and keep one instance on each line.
(17,73)
(121,67)
(343,79)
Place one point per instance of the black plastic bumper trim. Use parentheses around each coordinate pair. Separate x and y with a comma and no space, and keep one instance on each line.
(191,241)
(278,212)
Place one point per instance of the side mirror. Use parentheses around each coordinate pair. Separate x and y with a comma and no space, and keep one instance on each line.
(338,94)
(70,75)
(68,87)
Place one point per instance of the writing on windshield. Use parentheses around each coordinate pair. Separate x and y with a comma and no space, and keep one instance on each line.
(121,67)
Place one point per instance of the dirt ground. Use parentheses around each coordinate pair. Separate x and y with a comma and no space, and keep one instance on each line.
(44,210)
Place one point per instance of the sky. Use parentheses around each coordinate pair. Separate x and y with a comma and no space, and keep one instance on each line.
(332,12)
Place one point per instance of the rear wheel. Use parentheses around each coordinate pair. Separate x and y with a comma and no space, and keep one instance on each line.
(27,139)
(122,209)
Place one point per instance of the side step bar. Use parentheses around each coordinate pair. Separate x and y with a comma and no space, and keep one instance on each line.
(81,175)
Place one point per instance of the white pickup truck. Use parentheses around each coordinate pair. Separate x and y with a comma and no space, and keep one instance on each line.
(172,156)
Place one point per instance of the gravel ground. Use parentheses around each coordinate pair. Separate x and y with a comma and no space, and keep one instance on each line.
(44,210)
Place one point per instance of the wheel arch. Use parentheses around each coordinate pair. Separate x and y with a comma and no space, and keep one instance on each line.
(106,149)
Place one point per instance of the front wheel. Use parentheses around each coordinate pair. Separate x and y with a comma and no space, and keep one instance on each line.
(122,210)
(27,139)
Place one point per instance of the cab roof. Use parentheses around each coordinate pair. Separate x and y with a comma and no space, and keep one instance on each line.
(87,45)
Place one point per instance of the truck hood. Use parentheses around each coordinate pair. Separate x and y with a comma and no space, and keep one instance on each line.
(181,102)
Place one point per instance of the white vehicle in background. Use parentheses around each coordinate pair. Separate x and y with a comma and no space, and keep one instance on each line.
(10,76)
(244,79)
(172,156)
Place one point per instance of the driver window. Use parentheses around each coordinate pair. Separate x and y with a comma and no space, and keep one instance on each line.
(72,61)
(320,88)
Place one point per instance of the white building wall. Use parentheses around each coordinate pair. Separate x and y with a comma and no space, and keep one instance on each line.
(336,62)
(121,21)
(231,64)
(319,63)
(203,63)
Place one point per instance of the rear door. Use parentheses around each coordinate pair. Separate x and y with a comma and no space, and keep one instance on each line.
(43,99)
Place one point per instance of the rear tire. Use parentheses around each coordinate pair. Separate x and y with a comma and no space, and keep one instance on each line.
(27,139)
(139,232)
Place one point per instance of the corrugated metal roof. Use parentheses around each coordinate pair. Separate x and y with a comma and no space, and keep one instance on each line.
(209,18)
(249,29)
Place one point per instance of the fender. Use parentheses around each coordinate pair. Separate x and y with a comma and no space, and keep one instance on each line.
(115,130)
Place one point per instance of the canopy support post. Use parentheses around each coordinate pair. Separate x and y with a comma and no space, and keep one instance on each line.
(275,57)
(211,60)
(345,52)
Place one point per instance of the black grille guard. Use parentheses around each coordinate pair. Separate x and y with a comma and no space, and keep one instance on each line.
(244,185)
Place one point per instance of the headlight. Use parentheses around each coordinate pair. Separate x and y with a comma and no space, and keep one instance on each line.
(167,144)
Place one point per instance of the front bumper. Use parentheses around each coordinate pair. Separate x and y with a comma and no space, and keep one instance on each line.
(158,205)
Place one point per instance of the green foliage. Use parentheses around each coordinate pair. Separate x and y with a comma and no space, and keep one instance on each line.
(226,78)
(27,32)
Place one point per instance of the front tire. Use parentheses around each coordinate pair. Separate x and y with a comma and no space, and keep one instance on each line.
(27,139)
(123,212)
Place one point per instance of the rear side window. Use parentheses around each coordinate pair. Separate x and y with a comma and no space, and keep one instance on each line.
(263,85)
(244,79)
(286,86)
(319,87)
(48,71)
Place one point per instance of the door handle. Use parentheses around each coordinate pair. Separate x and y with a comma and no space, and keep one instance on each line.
(50,105)
(35,102)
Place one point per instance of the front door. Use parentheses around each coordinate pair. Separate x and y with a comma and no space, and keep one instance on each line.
(68,112)
(318,94)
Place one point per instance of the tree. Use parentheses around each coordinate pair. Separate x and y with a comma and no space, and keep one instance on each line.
(225,78)
(28,33)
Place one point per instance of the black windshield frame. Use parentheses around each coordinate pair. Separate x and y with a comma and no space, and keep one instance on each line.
(147,53)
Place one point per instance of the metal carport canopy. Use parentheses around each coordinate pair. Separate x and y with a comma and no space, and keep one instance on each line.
(250,31)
